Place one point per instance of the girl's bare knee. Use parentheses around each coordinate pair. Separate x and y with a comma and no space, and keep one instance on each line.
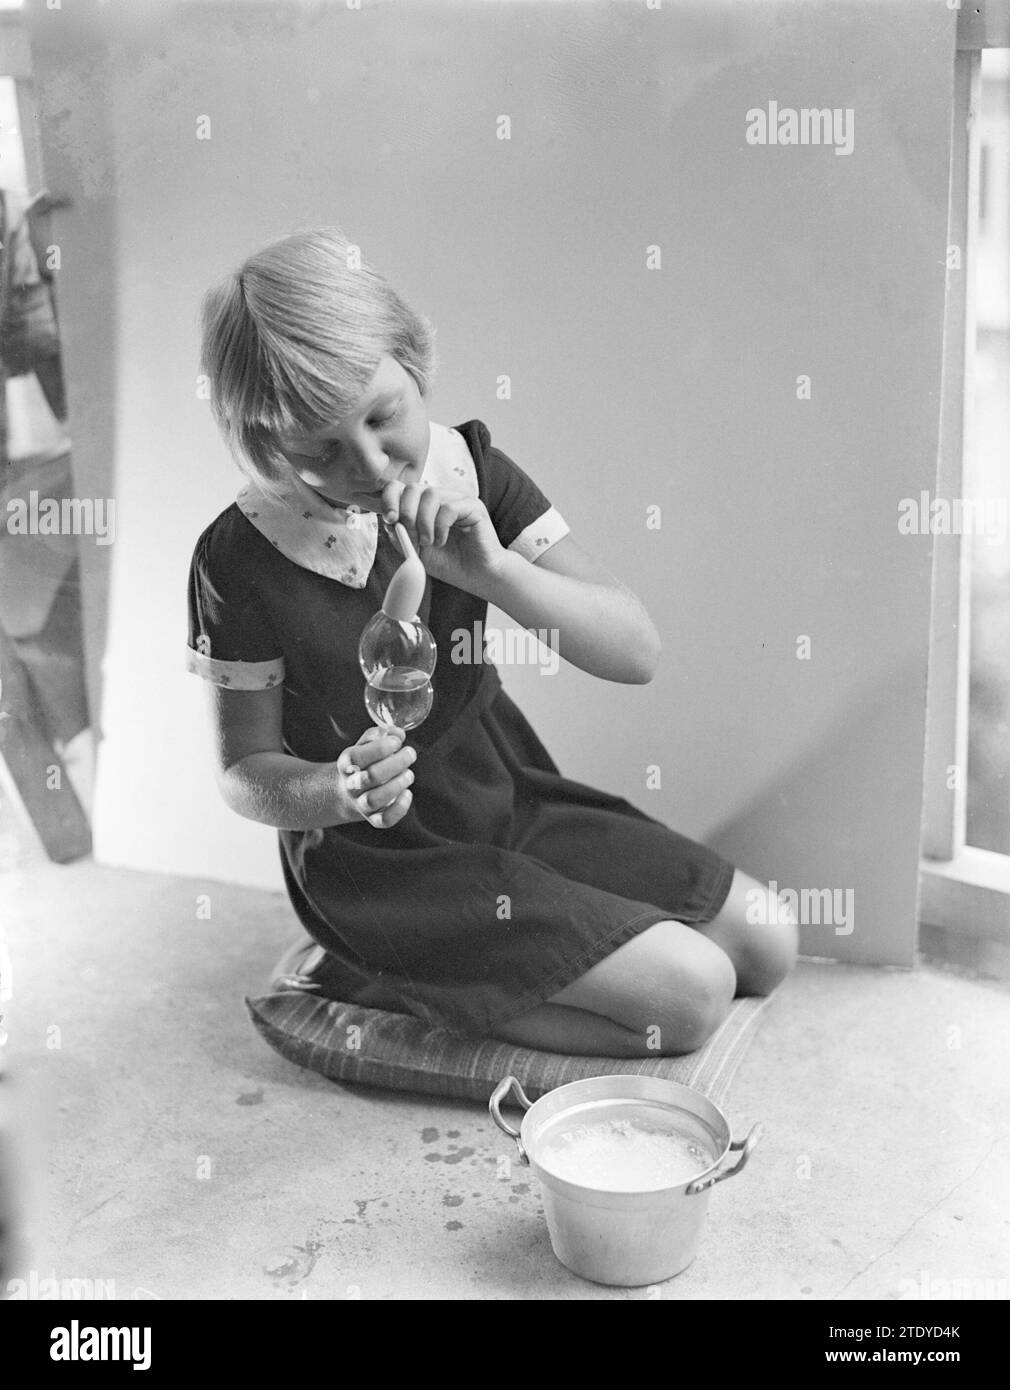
(670,988)
(703,1001)
(712,1000)
(777,959)
(758,930)
(768,952)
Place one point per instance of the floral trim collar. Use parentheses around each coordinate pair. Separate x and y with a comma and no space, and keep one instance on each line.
(340,542)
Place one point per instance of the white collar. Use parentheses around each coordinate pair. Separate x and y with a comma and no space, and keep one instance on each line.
(335,541)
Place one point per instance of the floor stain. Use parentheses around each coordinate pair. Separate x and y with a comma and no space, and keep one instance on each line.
(450,1201)
(453,1133)
(312,1249)
(454,1225)
(361,1206)
(249,1098)
(428,1135)
(522,1188)
(459,1155)
(290,1267)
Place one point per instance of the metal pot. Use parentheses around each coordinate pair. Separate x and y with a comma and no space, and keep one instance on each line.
(620,1237)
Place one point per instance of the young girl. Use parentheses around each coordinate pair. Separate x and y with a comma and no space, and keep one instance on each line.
(454,874)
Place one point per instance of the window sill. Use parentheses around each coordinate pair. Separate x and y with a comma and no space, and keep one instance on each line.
(969,894)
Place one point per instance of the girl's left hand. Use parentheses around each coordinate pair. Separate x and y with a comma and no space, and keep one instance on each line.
(452,533)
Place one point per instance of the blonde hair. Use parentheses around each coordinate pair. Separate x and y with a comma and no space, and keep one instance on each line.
(291,339)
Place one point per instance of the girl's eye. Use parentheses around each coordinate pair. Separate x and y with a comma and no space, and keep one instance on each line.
(333,449)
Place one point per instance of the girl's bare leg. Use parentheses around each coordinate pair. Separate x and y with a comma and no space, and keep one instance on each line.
(662,993)
(560,1028)
(757,932)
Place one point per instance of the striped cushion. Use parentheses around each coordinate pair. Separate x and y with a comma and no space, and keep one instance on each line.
(348,1042)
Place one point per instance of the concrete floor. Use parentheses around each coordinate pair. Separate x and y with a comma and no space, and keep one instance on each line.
(187,1160)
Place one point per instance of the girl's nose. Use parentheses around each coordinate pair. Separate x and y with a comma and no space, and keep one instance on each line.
(370,464)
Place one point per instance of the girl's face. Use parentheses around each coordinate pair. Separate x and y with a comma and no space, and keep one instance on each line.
(384,438)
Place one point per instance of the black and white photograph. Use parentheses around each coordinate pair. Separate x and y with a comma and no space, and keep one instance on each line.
(505,665)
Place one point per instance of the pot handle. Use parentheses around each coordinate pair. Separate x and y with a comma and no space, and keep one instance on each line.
(744,1146)
(497,1096)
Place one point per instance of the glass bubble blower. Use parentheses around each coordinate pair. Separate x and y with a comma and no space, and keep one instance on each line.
(396,652)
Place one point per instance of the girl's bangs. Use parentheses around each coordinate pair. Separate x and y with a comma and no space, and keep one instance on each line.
(312,391)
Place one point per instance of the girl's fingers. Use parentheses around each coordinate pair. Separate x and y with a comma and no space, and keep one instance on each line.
(383,820)
(439,520)
(391,495)
(427,513)
(375,744)
(436,516)
(382,774)
(406,504)
(375,731)
(428,506)
(447,517)
(383,741)
(381,797)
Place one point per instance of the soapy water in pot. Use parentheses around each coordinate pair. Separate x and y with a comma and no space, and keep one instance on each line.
(623,1155)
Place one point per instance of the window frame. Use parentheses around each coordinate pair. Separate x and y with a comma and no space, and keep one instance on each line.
(962,889)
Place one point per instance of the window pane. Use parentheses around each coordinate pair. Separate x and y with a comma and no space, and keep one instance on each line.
(12,154)
(987,477)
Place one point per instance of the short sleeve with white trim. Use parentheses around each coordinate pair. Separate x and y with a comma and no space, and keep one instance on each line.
(520,512)
(231,640)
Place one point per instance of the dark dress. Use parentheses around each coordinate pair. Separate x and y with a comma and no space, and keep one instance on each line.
(505,880)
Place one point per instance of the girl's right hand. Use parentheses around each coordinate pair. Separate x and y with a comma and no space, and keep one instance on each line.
(375,777)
